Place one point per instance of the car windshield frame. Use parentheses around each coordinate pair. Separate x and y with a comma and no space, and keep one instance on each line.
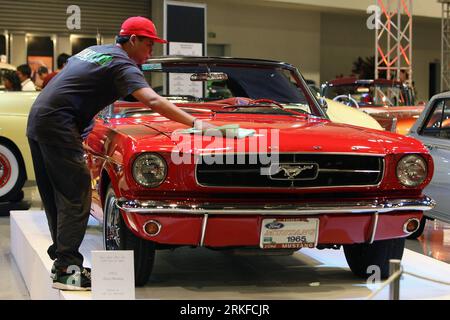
(294,91)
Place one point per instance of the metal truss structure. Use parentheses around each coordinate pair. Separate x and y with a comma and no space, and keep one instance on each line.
(393,41)
(445,46)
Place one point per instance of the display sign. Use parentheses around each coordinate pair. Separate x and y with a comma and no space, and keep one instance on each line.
(180,83)
(113,275)
(289,233)
(184,41)
(186,48)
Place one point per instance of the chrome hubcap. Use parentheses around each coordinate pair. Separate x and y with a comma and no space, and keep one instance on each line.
(5,170)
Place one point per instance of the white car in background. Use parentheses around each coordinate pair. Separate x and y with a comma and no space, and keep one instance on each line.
(341,113)
(433,129)
(5,67)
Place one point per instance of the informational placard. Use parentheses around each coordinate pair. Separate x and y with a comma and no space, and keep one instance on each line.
(186,48)
(185,29)
(180,84)
(113,275)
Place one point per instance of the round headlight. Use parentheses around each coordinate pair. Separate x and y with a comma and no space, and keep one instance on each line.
(149,170)
(412,170)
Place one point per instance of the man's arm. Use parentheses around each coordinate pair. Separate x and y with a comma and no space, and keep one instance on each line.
(167,109)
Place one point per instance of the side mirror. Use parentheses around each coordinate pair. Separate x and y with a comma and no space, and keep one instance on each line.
(323,103)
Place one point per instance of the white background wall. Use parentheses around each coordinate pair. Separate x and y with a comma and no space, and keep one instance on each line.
(322,43)
(269,33)
(321,37)
(344,37)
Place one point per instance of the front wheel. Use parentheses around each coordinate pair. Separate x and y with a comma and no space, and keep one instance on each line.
(12,173)
(117,236)
(361,256)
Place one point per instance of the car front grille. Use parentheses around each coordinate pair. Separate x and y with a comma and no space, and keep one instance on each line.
(290,171)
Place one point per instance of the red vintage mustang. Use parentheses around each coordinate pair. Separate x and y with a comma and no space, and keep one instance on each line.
(287,179)
(390,102)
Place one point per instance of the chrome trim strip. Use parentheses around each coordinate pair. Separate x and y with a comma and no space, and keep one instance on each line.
(320,170)
(350,171)
(382,172)
(316,241)
(374,229)
(204,222)
(303,152)
(166,207)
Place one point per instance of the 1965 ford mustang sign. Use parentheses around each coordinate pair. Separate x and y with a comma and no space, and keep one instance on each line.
(297,180)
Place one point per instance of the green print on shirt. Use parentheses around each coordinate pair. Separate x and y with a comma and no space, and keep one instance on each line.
(94,57)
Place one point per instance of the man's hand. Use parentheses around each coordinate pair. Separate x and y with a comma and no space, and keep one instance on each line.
(203,125)
(163,106)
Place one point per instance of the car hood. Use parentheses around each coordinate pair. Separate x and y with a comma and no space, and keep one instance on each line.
(298,135)
(341,113)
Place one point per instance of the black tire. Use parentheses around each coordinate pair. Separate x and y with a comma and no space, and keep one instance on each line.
(362,255)
(17,197)
(121,238)
(418,232)
(12,173)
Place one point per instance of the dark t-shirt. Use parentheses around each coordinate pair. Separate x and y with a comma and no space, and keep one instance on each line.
(91,80)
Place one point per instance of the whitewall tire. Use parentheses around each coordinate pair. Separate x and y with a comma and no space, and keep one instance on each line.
(12,172)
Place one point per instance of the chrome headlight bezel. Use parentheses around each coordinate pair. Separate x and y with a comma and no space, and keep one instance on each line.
(409,164)
(140,178)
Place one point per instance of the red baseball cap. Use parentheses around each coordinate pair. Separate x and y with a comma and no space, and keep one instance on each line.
(140,26)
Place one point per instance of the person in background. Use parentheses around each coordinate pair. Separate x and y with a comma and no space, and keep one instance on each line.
(61,61)
(12,82)
(42,73)
(24,74)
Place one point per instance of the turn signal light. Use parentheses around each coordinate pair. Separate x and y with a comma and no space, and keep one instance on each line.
(152,228)
(411,225)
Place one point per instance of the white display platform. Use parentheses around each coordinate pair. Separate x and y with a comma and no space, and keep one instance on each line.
(206,274)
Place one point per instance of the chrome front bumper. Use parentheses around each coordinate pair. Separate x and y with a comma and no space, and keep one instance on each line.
(167,207)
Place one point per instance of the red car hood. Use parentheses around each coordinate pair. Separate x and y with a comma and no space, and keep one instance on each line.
(294,135)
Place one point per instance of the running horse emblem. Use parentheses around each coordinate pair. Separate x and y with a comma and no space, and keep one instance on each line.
(291,171)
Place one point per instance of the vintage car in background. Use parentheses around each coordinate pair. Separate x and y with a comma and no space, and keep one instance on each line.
(390,102)
(16,165)
(342,113)
(299,181)
(4,67)
(433,130)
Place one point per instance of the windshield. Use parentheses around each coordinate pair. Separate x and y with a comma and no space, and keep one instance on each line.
(231,87)
(243,81)
(369,94)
